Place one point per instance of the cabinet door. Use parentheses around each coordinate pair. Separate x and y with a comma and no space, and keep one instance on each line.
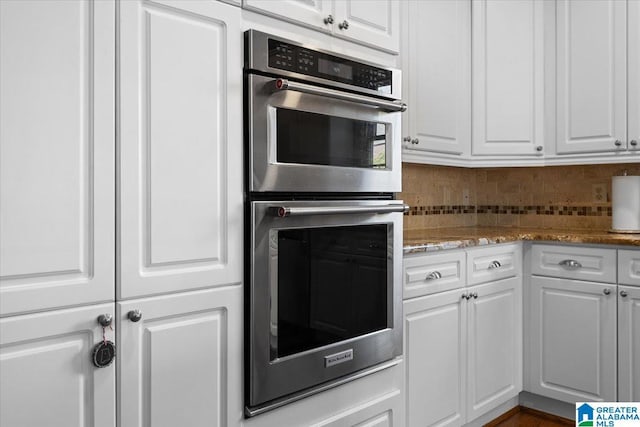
(375,23)
(310,13)
(435,354)
(634,75)
(628,344)
(591,75)
(573,340)
(46,374)
(181,363)
(494,366)
(180,213)
(508,77)
(57,62)
(437,62)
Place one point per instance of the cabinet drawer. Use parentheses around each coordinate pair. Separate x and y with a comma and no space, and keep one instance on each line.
(428,274)
(573,262)
(629,267)
(493,263)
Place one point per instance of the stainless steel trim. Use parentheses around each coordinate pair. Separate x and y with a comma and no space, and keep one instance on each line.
(252,412)
(570,264)
(286,211)
(284,84)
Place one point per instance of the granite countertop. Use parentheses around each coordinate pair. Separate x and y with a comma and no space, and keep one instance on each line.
(427,240)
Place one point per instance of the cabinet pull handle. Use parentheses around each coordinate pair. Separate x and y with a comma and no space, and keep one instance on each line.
(406,139)
(434,275)
(415,141)
(633,142)
(606,291)
(344,25)
(474,295)
(618,143)
(494,264)
(105,320)
(328,20)
(570,264)
(539,148)
(465,296)
(134,315)
(623,294)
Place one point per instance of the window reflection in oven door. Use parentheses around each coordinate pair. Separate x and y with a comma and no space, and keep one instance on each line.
(325,292)
(310,142)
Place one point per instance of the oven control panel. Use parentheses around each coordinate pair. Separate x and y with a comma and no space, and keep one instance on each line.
(298,59)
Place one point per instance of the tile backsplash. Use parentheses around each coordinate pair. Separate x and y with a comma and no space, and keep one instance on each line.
(548,197)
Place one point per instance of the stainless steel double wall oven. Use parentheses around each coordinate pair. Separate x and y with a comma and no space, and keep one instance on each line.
(324,233)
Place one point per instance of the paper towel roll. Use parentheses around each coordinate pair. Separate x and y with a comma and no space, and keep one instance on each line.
(625,203)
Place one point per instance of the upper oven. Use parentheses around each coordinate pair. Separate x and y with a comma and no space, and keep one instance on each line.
(317,122)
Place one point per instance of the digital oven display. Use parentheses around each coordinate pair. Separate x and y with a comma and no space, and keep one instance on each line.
(335,69)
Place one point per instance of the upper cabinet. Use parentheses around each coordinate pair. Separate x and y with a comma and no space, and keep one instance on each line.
(508,77)
(633,77)
(592,76)
(57,168)
(373,23)
(436,46)
(180,185)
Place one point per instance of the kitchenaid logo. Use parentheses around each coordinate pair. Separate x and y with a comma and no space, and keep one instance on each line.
(607,414)
(337,358)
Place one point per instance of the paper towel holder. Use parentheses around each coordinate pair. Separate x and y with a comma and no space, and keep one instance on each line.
(625,218)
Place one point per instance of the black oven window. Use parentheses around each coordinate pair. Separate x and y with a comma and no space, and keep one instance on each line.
(317,139)
(332,285)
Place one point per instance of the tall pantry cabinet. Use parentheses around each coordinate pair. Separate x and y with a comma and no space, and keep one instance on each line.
(121,195)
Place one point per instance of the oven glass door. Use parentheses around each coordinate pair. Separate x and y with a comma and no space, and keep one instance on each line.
(325,292)
(313,143)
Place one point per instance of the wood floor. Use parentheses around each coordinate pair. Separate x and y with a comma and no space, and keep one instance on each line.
(525,417)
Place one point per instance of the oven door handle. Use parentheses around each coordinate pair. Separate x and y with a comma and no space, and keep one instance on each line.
(286,211)
(284,84)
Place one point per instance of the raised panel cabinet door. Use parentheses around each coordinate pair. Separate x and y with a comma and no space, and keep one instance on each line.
(437,53)
(316,14)
(180,188)
(435,354)
(374,23)
(47,377)
(573,340)
(591,76)
(633,51)
(57,145)
(180,361)
(494,334)
(628,344)
(508,77)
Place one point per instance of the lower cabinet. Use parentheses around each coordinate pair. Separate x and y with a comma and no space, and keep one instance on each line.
(628,344)
(180,359)
(463,351)
(572,332)
(47,377)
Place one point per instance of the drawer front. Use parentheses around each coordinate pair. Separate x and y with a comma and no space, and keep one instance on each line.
(629,267)
(574,262)
(493,263)
(429,274)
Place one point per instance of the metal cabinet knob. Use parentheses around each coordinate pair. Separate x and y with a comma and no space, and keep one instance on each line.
(134,315)
(344,25)
(633,143)
(105,320)
(494,264)
(406,139)
(474,295)
(618,143)
(623,294)
(607,291)
(415,141)
(539,148)
(570,264)
(328,20)
(465,296)
(434,275)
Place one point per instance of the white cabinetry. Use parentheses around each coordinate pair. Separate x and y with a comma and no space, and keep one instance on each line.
(628,344)
(592,69)
(436,47)
(463,347)
(57,62)
(180,150)
(46,374)
(181,362)
(508,77)
(374,23)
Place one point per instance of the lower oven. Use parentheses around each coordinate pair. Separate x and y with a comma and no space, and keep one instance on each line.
(324,296)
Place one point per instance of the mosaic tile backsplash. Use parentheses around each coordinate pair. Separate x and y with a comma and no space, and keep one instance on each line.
(548,197)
